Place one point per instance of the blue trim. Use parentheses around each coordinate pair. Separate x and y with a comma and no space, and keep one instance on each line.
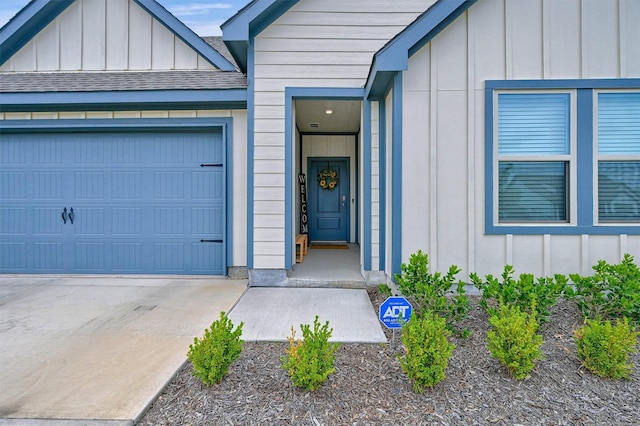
(382,158)
(617,83)
(185,34)
(585,166)
(394,56)
(366,195)
(291,94)
(396,176)
(119,100)
(250,159)
(288,181)
(27,23)
(584,153)
(239,30)
(223,125)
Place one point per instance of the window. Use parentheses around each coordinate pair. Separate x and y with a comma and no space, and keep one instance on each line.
(618,157)
(534,157)
(562,157)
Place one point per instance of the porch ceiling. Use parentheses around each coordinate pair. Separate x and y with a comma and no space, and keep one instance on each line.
(345,116)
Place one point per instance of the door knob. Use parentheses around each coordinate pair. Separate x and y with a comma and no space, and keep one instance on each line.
(71,215)
(64,215)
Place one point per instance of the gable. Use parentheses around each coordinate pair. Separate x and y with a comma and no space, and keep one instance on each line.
(113,35)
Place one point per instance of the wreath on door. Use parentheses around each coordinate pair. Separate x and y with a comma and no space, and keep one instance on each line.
(328,179)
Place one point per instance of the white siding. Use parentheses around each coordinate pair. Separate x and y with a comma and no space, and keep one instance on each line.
(443,147)
(98,35)
(328,43)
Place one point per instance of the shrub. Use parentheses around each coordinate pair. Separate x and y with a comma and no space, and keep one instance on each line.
(212,355)
(513,340)
(613,291)
(521,292)
(384,290)
(310,362)
(605,348)
(428,292)
(426,340)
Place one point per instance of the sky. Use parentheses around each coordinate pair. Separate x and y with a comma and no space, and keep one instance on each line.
(202,16)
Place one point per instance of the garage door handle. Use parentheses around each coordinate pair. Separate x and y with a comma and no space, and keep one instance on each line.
(71,215)
(64,215)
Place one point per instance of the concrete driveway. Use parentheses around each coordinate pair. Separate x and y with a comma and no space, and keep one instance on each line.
(98,347)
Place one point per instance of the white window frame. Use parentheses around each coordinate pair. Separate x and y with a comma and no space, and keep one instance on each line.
(571,158)
(606,157)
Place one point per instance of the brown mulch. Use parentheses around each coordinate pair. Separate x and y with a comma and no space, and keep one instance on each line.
(369,387)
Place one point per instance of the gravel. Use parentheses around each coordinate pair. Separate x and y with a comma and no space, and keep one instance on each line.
(369,387)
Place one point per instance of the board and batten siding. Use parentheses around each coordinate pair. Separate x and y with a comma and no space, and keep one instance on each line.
(239,140)
(327,43)
(105,35)
(443,125)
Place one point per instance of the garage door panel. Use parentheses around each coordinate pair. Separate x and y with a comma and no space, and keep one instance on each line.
(126,185)
(207,185)
(127,257)
(142,203)
(126,221)
(13,221)
(207,222)
(90,257)
(89,185)
(89,221)
(47,221)
(170,257)
(13,186)
(13,256)
(48,257)
(47,186)
(207,256)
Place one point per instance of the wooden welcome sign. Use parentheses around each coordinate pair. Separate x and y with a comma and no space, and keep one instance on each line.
(304,218)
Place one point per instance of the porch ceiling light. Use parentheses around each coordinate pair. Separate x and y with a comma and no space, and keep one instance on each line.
(328,111)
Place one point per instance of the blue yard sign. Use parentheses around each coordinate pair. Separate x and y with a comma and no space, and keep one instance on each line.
(395,311)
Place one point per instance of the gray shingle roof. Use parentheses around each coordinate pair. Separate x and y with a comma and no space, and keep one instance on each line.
(38,82)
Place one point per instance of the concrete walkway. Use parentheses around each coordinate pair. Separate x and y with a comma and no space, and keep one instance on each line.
(269,313)
(97,350)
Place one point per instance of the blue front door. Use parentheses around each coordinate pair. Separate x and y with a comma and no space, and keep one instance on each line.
(112,203)
(329,200)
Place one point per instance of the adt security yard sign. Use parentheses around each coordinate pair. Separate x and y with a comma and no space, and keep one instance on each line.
(393,309)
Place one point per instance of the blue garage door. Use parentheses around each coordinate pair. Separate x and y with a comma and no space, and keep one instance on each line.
(128,203)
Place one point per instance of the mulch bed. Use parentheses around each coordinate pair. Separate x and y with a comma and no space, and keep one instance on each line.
(369,387)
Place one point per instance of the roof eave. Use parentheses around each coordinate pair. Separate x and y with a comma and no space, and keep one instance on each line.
(394,56)
(28,22)
(238,30)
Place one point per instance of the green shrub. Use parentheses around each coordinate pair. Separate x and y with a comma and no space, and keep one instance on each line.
(613,291)
(433,292)
(385,290)
(310,362)
(521,292)
(605,348)
(212,355)
(513,340)
(426,340)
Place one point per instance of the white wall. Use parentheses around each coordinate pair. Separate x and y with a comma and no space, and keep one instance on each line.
(328,43)
(443,125)
(99,35)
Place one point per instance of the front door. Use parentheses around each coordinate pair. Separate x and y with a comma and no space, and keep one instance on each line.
(328,186)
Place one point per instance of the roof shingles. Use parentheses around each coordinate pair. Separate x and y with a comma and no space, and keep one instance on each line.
(39,82)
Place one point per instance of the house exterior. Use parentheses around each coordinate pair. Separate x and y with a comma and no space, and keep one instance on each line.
(483,132)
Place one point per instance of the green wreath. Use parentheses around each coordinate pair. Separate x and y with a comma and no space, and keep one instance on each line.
(328,179)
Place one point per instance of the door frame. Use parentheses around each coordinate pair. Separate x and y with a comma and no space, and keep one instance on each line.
(347,162)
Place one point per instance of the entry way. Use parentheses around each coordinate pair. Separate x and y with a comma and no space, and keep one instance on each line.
(112,203)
